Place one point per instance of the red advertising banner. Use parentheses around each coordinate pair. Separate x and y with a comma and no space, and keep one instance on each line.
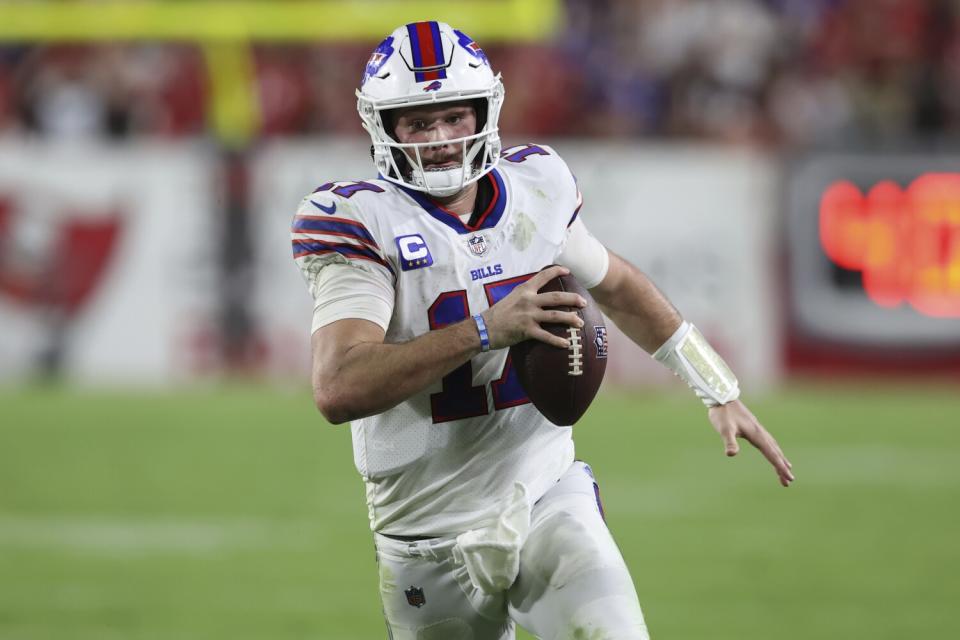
(873,269)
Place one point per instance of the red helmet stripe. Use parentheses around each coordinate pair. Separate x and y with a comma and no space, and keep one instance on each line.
(428,48)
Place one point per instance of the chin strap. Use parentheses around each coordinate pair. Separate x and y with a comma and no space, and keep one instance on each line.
(444,182)
(688,354)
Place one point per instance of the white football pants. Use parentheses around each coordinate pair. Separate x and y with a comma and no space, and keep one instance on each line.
(573,582)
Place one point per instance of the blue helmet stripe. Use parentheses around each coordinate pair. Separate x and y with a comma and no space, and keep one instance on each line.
(417,49)
(437,43)
(415,45)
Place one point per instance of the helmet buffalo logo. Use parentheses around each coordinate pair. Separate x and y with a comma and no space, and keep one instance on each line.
(433,86)
(472,47)
(378,58)
(415,596)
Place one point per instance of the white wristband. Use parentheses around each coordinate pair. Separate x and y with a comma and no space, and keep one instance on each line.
(688,354)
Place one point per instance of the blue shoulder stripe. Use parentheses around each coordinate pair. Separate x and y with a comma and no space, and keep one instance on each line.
(308,224)
(316,247)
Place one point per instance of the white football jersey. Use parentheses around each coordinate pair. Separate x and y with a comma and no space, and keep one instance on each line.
(443,461)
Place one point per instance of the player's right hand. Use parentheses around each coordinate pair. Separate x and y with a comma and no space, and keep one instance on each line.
(517,317)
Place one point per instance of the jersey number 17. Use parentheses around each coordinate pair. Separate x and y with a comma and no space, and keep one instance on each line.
(459,398)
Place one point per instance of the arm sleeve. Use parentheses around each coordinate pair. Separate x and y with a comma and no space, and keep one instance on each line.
(345,270)
(341,290)
(584,255)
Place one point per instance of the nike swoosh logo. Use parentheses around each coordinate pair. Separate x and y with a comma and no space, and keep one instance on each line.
(327,210)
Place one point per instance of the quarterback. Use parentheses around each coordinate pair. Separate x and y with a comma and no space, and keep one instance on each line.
(422,277)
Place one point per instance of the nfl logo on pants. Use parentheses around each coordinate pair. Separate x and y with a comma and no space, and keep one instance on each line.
(415,597)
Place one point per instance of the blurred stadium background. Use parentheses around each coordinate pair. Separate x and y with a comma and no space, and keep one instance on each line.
(787,170)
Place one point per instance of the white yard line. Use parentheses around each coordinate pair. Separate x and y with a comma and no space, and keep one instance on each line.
(115,535)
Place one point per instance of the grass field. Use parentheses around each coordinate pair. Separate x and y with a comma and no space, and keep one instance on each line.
(236,513)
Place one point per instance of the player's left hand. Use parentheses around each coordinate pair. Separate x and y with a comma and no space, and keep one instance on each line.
(733,420)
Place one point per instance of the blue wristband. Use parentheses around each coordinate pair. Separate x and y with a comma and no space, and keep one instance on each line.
(482,330)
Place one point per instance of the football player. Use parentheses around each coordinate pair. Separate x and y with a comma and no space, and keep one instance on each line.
(421,278)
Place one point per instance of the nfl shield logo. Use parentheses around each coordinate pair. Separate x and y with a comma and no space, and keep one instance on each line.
(600,340)
(478,245)
(415,597)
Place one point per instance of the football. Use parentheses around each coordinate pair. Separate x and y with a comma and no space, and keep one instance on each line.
(562,383)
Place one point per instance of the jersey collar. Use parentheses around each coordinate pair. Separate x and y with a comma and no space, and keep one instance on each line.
(489,219)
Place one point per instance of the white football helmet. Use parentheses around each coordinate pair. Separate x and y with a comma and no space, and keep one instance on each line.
(427,63)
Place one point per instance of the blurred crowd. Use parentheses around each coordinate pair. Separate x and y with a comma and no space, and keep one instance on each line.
(771,72)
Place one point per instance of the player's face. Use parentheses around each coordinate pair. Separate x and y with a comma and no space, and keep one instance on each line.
(436,123)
